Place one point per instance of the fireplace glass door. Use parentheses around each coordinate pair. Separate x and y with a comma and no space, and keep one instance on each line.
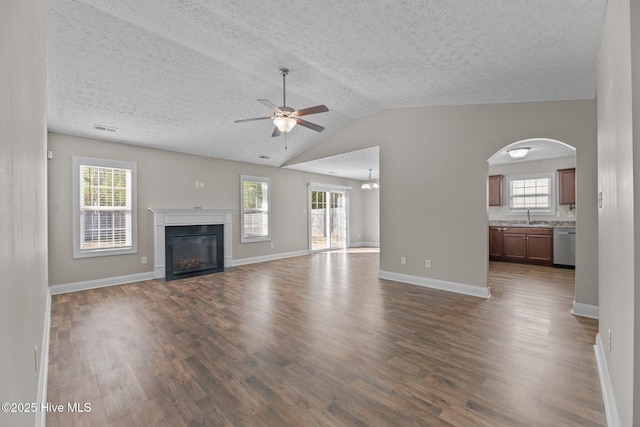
(193,250)
(194,253)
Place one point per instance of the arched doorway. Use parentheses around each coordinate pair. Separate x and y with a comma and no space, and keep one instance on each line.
(531,204)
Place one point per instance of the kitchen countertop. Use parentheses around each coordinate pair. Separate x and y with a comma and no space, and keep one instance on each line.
(536,224)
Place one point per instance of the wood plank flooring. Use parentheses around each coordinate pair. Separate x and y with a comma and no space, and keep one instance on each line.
(319,340)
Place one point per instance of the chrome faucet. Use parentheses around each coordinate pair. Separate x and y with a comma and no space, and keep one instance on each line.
(528,217)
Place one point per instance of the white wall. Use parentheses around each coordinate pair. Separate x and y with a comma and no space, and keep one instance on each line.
(433,162)
(370,213)
(618,171)
(563,213)
(23,198)
(166,180)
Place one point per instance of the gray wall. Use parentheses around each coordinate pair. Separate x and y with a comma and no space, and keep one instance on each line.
(23,197)
(433,195)
(166,180)
(619,182)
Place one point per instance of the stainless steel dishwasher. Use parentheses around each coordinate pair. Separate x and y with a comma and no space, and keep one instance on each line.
(564,247)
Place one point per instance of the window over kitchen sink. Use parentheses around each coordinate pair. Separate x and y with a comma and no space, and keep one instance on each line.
(532,193)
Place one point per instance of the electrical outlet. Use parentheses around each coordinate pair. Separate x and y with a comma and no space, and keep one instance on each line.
(271,244)
(196,184)
(609,339)
(403,260)
(428,263)
(143,260)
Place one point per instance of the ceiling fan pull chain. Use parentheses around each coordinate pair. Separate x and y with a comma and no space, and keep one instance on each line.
(285,140)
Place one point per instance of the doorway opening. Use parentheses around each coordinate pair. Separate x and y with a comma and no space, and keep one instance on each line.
(328,219)
(531,203)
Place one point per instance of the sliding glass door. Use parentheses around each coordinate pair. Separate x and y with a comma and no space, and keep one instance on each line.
(328,219)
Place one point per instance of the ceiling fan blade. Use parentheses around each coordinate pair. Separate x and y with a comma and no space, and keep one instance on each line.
(269,104)
(252,120)
(312,110)
(276,131)
(310,125)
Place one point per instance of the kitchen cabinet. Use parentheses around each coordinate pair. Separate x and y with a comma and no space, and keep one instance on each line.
(567,186)
(521,244)
(495,190)
(495,243)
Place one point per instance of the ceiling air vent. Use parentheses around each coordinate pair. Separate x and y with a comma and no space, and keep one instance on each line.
(104,128)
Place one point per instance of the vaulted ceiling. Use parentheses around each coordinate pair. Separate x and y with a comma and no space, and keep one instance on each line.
(175,75)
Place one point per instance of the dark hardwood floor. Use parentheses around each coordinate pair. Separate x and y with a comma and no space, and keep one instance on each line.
(319,340)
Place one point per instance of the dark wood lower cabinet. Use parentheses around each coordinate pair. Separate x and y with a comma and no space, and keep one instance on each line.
(515,244)
(521,244)
(495,243)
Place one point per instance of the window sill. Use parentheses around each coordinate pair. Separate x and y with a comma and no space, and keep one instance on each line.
(254,239)
(103,252)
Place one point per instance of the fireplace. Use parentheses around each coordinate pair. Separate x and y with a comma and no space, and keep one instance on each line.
(193,250)
(185,221)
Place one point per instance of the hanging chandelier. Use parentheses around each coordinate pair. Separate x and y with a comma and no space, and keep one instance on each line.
(370,184)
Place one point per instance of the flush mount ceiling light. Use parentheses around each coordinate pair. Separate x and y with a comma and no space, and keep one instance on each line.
(518,153)
(369,184)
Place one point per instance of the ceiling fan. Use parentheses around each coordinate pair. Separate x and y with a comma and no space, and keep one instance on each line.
(285,118)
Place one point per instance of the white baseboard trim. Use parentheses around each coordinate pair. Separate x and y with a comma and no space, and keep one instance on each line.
(585,310)
(99,283)
(459,288)
(364,244)
(264,258)
(43,369)
(610,409)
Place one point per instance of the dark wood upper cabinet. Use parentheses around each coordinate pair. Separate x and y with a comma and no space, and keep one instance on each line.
(567,186)
(495,190)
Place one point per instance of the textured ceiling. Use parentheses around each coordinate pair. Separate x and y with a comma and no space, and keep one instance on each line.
(354,164)
(175,75)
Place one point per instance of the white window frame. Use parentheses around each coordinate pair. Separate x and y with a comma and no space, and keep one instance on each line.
(264,180)
(549,211)
(79,161)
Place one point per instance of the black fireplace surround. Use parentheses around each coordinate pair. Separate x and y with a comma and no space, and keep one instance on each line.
(193,250)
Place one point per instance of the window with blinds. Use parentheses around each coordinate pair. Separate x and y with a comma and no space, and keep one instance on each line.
(255,221)
(104,207)
(532,192)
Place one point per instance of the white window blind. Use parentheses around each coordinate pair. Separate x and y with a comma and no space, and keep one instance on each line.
(104,207)
(533,193)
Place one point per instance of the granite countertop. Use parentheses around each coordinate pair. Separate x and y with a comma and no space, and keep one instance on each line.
(536,224)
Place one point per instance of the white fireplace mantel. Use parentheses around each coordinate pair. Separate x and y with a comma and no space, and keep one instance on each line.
(170,217)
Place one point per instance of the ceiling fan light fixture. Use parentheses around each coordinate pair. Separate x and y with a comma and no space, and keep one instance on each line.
(284,124)
(518,153)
